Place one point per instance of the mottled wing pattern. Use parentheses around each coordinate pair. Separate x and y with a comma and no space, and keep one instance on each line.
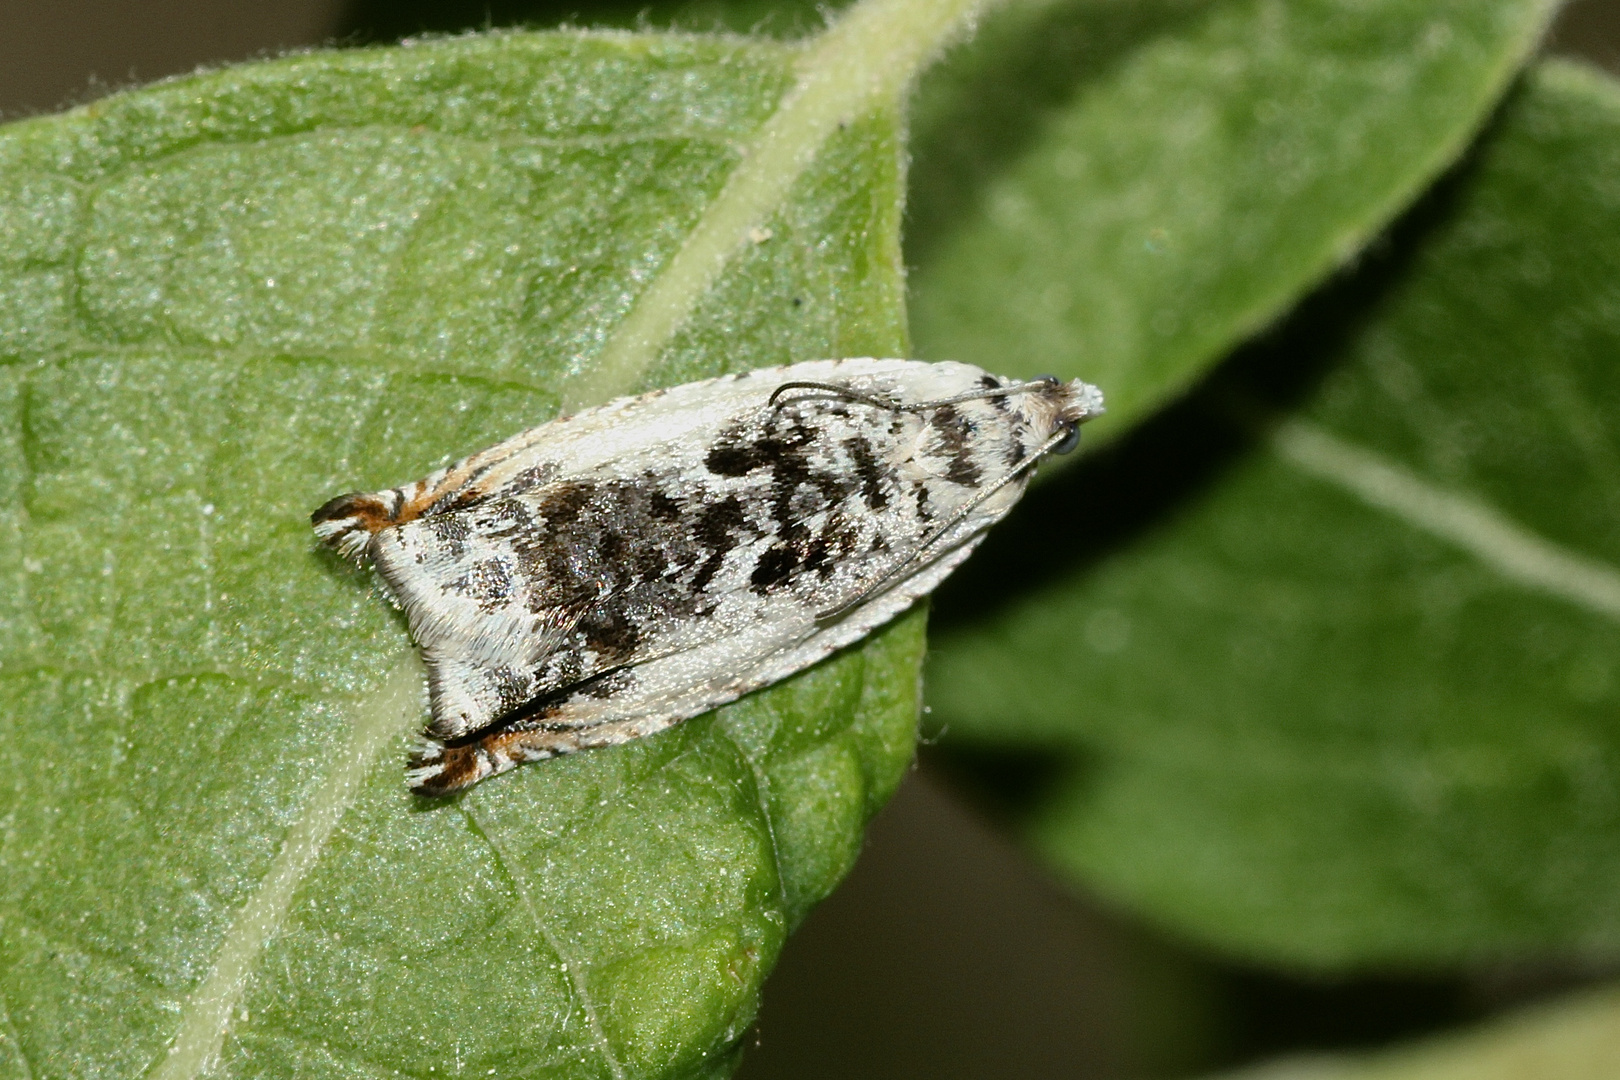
(614,572)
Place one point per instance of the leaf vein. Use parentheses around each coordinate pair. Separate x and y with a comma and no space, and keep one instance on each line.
(8,1032)
(573,965)
(1515,552)
(63,941)
(351,1058)
(762,785)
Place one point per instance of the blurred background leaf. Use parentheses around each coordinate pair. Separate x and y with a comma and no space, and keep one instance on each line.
(1577,1038)
(1339,689)
(1124,191)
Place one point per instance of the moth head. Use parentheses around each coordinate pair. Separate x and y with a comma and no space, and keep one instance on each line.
(1055,407)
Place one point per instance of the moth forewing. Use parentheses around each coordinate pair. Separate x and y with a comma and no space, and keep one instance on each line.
(608,574)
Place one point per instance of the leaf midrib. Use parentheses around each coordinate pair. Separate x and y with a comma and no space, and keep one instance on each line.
(379,719)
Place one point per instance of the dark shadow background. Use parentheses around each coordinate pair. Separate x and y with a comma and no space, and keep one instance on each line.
(946,953)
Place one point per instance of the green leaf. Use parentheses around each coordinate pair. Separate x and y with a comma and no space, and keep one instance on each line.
(1343,692)
(390,20)
(226,298)
(1123,191)
(1572,1039)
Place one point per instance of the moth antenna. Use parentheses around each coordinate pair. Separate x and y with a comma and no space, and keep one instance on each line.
(1053,441)
(1045,382)
(845,392)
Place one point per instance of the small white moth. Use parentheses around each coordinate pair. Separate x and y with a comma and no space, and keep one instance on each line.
(611,573)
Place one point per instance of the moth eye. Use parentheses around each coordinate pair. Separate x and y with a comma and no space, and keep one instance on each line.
(1050,379)
(1070,441)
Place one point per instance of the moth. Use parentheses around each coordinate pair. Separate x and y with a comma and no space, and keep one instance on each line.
(611,573)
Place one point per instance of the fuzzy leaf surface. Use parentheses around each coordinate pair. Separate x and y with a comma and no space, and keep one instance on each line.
(228,298)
